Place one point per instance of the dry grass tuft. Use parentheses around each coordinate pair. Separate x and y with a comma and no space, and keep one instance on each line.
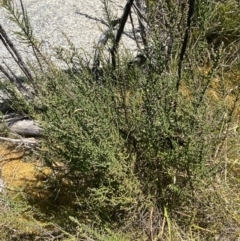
(16,172)
(32,196)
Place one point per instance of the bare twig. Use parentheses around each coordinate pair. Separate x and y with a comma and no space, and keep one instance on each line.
(134,34)
(123,21)
(14,53)
(4,71)
(28,141)
(138,9)
(185,41)
(96,64)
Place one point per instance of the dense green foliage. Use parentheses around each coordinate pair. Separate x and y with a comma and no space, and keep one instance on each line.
(142,145)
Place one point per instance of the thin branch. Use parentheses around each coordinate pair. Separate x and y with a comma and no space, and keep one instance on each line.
(14,53)
(96,63)
(134,34)
(185,41)
(123,21)
(138,9)
(4,71)
(28,141)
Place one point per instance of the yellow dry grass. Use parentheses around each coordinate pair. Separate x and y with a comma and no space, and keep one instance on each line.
(17,173)
(33,180)
(223,89)
(20,177)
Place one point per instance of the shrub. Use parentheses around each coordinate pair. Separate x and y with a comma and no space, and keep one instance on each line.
(137,145)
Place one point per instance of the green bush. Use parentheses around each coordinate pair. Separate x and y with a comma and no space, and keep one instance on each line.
(143,138)
(135,141)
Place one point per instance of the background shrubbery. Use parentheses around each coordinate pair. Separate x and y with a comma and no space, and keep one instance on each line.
(150,152)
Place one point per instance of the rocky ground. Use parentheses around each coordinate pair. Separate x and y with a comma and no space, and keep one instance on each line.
(82,21)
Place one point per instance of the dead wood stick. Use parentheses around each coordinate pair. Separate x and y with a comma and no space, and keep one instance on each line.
(123,21)
(29,141)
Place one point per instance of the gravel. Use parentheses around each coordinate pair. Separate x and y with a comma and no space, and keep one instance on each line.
(81,21)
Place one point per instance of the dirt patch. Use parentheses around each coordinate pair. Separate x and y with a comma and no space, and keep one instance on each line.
(15,172)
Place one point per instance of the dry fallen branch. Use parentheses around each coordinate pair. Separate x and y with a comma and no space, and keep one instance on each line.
(27,141)
(21,125)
